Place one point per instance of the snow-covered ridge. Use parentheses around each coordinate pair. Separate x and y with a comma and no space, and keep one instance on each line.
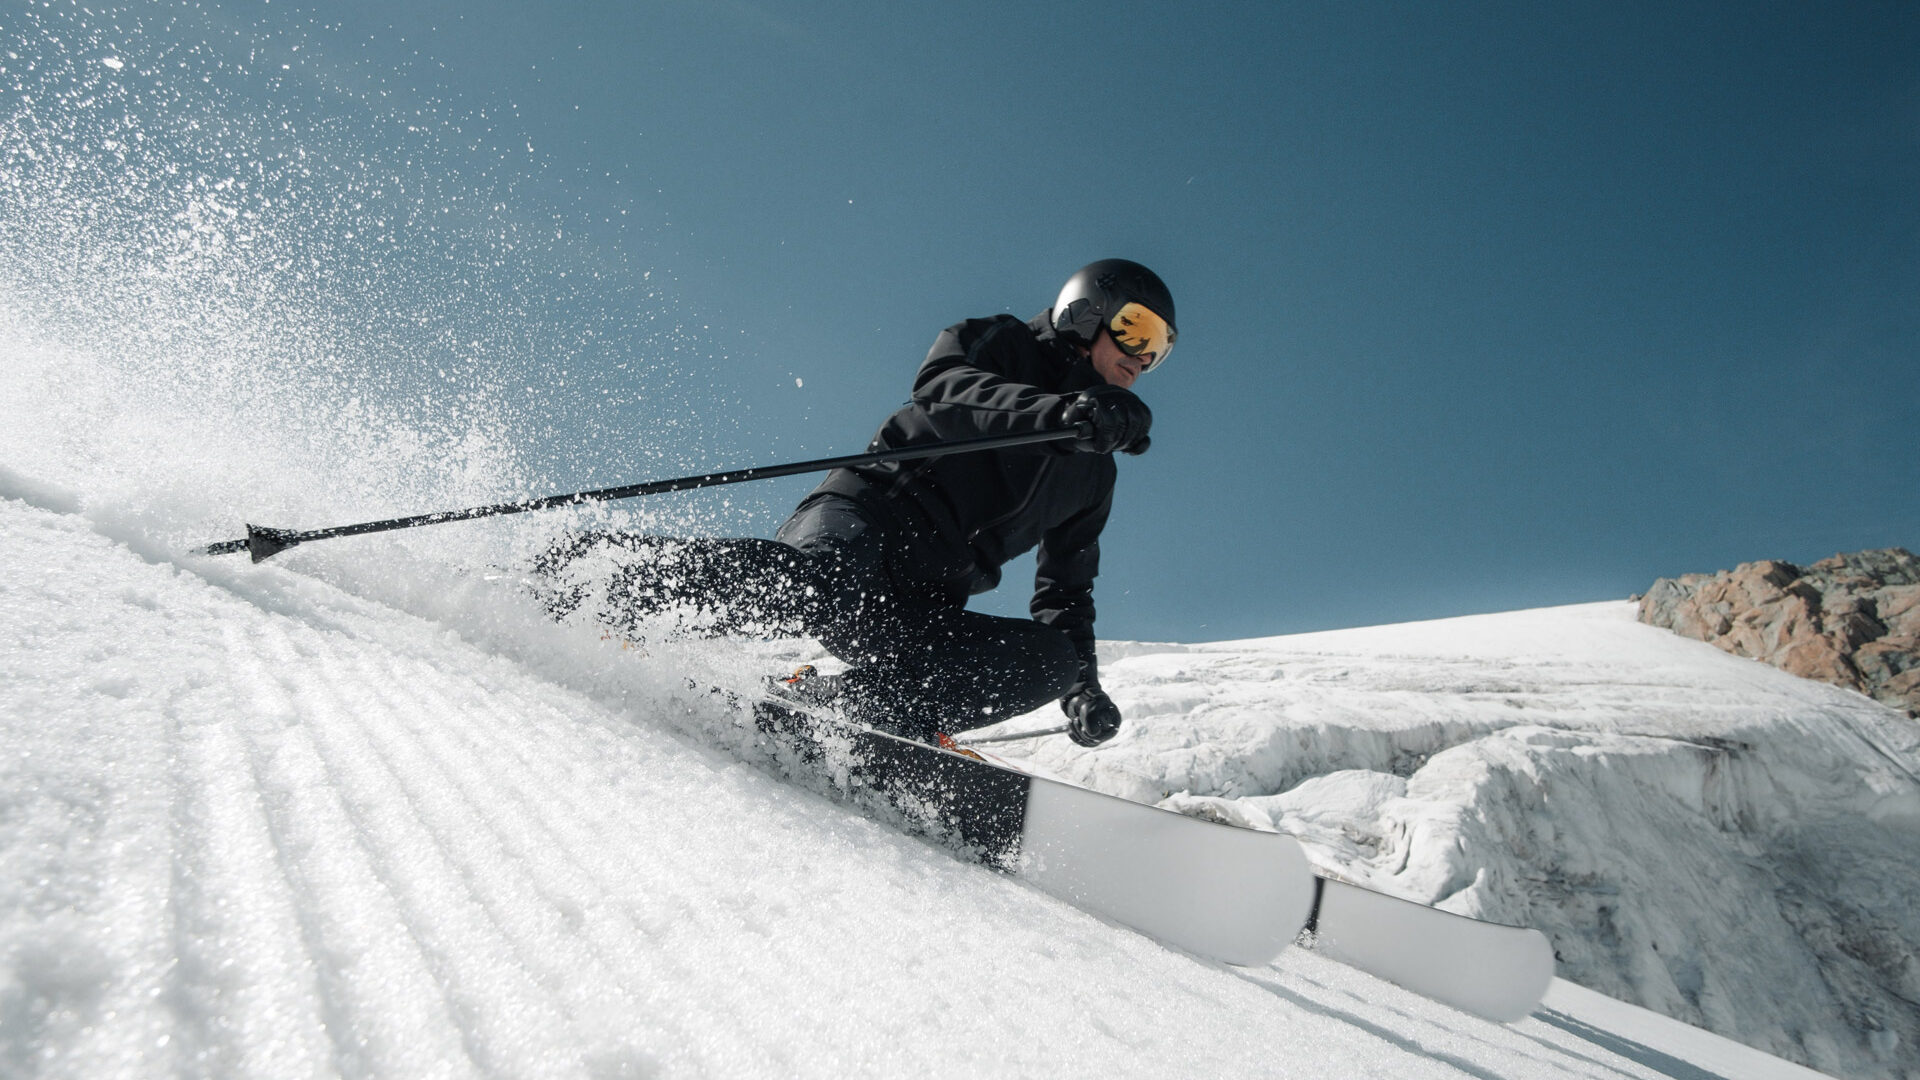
(1701,834)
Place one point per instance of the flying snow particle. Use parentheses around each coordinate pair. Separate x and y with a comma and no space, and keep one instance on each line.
(114,62)
(797,381)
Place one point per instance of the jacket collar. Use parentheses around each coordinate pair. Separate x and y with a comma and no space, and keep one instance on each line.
(1078,370)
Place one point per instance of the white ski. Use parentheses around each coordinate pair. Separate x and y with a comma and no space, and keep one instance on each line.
(1219,891)
(1231,894)
(1499,972)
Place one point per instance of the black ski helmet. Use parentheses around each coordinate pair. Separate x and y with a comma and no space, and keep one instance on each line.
(1101,289)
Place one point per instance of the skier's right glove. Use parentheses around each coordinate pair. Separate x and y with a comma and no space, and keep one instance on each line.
(1092,717)
(1118,419)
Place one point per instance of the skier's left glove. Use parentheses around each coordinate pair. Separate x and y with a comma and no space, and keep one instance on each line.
(1092,717)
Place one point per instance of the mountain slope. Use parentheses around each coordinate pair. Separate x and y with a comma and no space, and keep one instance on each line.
(256,825)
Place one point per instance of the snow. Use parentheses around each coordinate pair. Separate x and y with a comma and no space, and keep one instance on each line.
(364,811)
(1667,1045)
(1701,834)
(252,823)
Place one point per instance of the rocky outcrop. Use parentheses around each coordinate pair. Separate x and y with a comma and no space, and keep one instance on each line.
(1852,620)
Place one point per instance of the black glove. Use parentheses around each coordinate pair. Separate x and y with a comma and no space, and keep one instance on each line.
(1118,418)
(1092,717)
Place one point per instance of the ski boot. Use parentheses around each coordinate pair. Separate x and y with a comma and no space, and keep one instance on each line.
(807,689)
(806,686)
(841,697)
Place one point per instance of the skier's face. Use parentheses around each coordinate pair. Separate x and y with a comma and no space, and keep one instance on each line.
(1116,367)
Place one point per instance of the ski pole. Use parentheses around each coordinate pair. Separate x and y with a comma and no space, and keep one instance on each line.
(263,543)
(1016,735)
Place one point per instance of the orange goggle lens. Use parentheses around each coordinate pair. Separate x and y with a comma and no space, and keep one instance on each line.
(1138,330)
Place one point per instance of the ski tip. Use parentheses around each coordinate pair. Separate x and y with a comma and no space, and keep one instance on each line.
(1497,972)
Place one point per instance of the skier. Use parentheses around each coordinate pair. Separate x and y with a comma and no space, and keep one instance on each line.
(878,561)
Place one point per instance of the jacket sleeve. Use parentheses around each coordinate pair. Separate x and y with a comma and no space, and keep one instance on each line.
(970,383)
(1069,560)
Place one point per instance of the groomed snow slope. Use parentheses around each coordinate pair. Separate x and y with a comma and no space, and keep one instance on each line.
(253,824)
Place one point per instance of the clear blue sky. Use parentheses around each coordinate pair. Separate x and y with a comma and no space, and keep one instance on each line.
(1483,306)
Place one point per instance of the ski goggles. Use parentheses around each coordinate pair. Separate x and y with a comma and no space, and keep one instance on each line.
(1137,329)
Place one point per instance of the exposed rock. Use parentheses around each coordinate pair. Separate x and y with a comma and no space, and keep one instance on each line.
(1852,620)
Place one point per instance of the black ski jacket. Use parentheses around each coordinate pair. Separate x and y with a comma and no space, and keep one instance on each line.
(998,376)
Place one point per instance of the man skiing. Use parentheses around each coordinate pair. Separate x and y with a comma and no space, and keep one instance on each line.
(877,563)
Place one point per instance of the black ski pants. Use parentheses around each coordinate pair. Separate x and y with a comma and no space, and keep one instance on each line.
(894,608)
